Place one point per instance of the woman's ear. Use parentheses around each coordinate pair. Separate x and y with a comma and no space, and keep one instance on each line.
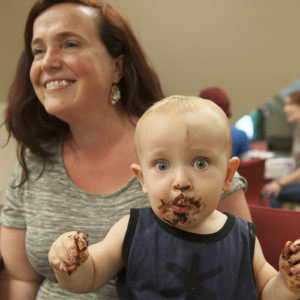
(137,170)
(231,169)
(118,69)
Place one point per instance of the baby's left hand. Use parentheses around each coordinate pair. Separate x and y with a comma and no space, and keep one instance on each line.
(289,265)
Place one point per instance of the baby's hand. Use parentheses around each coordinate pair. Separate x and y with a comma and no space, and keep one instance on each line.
(69,251)
(289,265)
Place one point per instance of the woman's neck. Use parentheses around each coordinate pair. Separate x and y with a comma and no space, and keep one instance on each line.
(103,133)
(97,158)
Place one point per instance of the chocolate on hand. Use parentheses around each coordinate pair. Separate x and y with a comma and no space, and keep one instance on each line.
(289,265)
(69,251)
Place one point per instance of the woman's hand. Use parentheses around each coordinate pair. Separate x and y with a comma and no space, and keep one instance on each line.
(289,265)
(69,251)
(271,188)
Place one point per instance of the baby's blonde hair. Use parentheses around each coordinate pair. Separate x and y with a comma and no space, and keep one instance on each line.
(183,104)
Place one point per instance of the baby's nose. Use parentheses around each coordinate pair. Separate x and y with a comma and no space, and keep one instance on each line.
(182,188)
(181,181)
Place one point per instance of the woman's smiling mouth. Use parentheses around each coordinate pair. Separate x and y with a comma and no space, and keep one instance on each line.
(52,85)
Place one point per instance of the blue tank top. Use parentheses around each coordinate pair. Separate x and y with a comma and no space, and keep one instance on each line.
(164,262)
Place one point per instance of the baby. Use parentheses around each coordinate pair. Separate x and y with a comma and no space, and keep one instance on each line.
(181,247)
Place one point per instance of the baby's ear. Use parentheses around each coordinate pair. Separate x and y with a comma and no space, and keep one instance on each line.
(232,167)
(137,170)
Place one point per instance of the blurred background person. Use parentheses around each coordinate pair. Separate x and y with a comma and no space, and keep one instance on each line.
(240,140)
(286,190)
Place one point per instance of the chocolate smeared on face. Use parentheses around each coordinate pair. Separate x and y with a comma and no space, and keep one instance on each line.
(180,218)
(189,201)
(193,206)
(163,207)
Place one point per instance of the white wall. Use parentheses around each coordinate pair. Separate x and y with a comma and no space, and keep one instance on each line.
(7,158)
(250,48)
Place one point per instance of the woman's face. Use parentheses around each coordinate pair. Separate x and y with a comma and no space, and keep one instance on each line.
(72,72)
(291,110)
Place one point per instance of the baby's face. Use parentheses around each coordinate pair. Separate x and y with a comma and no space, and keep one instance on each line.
(184,159)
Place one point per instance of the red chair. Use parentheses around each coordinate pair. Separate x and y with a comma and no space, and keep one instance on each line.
(273,228)
(253,170)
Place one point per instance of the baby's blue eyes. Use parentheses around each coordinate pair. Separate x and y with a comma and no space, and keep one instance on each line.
(162,165)
(200,163)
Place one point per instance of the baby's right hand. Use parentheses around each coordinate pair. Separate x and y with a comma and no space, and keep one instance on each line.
(69,251)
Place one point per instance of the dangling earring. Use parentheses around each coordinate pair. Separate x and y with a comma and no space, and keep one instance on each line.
(115,94)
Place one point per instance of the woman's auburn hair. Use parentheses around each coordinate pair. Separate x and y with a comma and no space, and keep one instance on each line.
(25,117)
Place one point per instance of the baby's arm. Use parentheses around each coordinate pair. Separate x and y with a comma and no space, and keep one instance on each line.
(278,285)
(82,269)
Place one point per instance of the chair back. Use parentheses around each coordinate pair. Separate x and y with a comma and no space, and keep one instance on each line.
(253,170)
(274,227)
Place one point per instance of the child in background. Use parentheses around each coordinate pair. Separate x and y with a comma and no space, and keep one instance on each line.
(181,247)
(240,140)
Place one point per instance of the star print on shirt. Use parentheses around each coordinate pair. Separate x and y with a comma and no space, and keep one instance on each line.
(191,281)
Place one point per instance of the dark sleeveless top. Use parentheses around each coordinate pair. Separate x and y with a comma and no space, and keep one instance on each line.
(164,262)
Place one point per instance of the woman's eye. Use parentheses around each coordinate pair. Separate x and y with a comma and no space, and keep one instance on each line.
(200,163)
(162,165)
(70,44)
(37,52)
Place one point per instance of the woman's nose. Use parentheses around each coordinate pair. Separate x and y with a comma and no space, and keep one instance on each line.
(51,60)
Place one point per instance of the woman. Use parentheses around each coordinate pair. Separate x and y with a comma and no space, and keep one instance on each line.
(287,189)
(81,84)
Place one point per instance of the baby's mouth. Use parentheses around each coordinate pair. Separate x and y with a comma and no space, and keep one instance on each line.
(180,208)
(181,204)
(185,201)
